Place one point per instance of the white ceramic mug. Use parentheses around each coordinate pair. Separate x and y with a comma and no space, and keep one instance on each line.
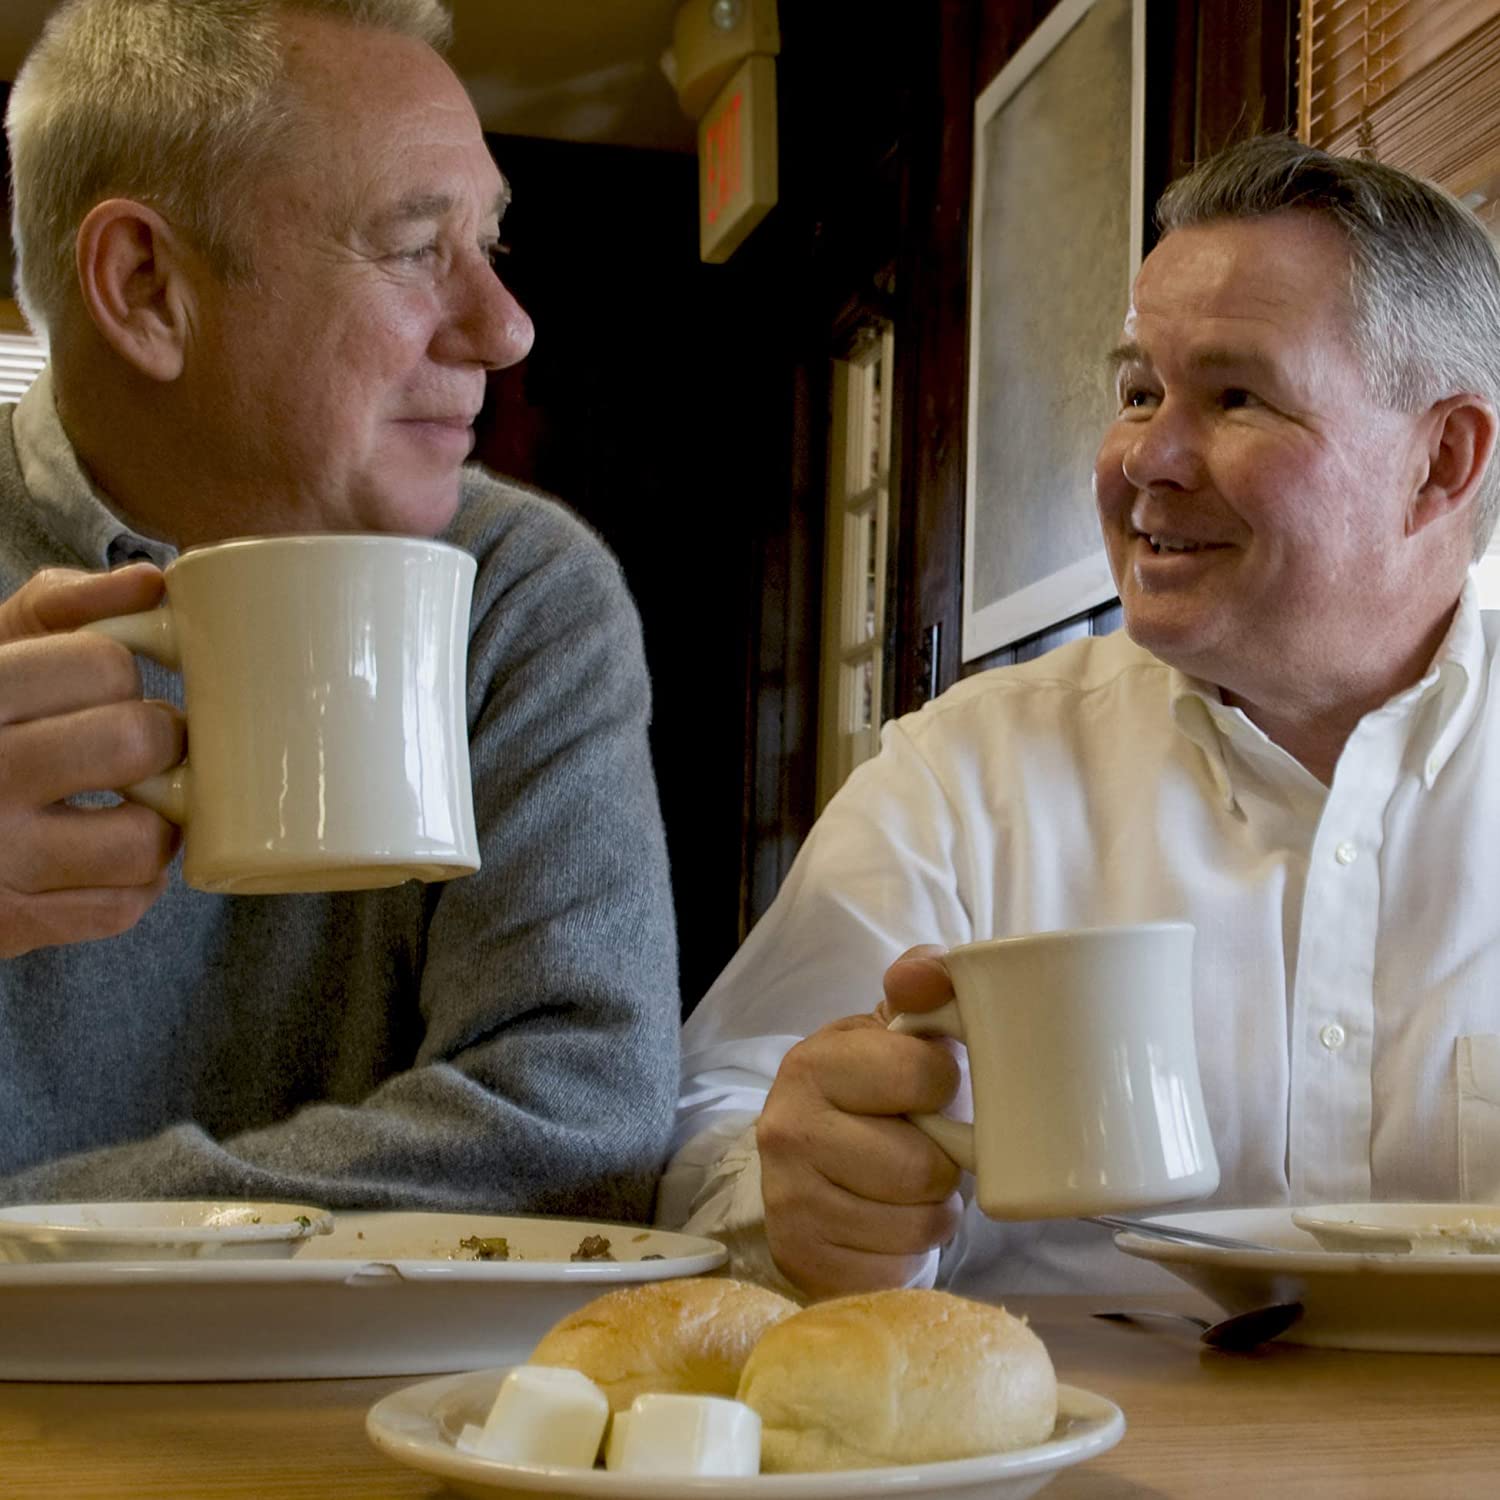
(1084,1071)
(324,688)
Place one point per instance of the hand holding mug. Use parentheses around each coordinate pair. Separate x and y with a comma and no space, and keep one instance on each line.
(855,1195)
(72,720)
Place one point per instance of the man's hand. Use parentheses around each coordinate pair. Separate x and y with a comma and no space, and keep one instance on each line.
(855,1194)
(72,720)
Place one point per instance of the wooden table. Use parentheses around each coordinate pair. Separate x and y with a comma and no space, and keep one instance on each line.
(1282,1421)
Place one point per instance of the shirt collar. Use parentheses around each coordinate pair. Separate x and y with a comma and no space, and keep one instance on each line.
(1202,717)
(1450,684)
(1457,672)
(71,507)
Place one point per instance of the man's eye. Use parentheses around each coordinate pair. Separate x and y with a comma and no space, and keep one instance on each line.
(1234,397)
(418,253)
(495,251)
(1135,396)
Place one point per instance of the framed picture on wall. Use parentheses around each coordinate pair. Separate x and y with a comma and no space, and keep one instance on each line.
(1057,229)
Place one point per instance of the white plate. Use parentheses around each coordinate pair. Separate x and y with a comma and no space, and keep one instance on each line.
(378,1296)
(157,1231)
(418,1426)
(1446,1304)
(1404,1228)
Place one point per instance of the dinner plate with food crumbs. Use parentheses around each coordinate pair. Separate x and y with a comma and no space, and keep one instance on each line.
(382,1294)
(420,1426)
(1375,1298)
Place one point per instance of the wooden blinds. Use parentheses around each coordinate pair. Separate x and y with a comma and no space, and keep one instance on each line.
(1415,83)
(22,354)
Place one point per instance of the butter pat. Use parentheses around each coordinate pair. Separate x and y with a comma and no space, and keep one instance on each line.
(542,1416)
(614,1448)
(673,1434)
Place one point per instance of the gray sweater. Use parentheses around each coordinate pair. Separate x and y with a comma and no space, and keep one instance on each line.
(506,1041)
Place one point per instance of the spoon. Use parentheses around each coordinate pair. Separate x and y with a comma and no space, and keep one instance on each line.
(1234,1335)
(1248,1330)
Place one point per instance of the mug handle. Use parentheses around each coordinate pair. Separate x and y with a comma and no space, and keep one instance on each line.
(153,633)
(955,1137)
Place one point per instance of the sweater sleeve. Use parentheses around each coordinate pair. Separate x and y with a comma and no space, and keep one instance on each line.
(571,934)
(545,1068)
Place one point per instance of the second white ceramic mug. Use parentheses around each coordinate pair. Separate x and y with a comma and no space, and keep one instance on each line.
(324,682)
(1084,1071)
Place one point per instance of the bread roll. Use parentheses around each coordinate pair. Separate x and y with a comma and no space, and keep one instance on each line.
(690,1335)
(897,1377)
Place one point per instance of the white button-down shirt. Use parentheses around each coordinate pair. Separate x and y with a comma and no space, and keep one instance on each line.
(1346,969)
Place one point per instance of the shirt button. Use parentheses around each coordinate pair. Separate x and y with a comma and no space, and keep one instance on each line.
(1346,853)
(1332,1036)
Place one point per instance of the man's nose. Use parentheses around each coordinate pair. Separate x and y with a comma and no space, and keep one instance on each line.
(486,326)
(1162,450)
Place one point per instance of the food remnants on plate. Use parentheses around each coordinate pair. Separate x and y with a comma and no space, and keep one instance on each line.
(497,1247)
(1418,1229)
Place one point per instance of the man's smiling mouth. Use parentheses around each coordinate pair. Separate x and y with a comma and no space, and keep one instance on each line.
(1164,545)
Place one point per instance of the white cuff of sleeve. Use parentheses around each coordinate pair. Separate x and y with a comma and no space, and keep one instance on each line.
(731,1209)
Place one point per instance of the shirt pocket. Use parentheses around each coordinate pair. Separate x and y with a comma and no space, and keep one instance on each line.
(1479,1119)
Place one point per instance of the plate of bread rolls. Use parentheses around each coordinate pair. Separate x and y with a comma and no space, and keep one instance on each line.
(702,1387)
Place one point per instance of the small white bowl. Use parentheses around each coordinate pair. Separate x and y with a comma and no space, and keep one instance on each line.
(157,1231)
(1404,1228)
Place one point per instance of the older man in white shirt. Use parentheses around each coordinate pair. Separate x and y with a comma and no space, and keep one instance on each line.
(1295,745)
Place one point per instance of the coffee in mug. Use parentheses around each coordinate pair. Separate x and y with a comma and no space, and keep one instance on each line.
(324,690)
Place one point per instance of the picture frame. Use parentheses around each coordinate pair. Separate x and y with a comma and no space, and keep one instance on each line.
(1057,228)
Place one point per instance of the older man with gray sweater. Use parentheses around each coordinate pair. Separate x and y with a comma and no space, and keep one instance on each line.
(260,242)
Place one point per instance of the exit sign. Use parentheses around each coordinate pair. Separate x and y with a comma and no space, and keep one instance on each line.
(737,159)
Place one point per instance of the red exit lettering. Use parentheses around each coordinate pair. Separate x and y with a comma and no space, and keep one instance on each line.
(725,167)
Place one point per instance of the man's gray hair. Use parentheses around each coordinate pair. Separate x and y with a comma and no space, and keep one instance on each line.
(175,103)
(1424,276)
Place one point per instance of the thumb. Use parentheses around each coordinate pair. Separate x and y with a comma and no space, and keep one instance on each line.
(918,980)
(65,598)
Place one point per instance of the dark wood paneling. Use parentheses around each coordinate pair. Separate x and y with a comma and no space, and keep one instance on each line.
(683,410)
(846,99)
(932,330)
(1244,73)
(1172,92)
(647,409)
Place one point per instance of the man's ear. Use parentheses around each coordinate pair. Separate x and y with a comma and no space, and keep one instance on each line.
(136,277)
(1461,442)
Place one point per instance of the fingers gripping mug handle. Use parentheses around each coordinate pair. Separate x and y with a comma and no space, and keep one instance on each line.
(153,633)
(955,1137)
